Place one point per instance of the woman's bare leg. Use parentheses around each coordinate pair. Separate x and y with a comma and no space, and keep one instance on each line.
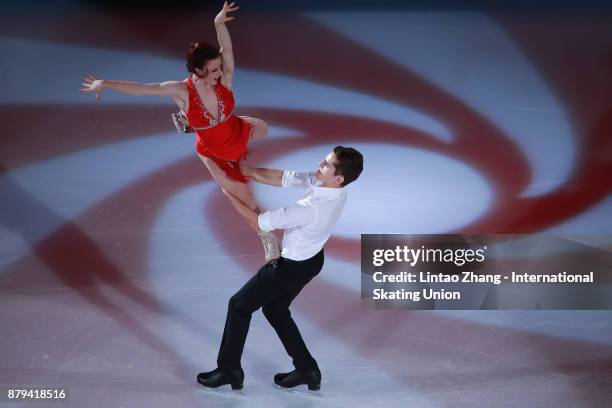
(260,128)
(243,192)
(240,190)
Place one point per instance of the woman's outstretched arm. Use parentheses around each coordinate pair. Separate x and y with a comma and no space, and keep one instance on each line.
(170,89)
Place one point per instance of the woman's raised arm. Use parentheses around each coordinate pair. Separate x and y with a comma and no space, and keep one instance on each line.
(225,42)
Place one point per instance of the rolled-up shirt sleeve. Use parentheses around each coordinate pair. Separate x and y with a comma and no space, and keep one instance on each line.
(292,178)
(286,217)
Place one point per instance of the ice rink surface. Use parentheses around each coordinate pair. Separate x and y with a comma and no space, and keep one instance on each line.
(118,253)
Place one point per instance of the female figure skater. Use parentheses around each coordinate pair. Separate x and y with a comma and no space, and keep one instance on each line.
(206,105)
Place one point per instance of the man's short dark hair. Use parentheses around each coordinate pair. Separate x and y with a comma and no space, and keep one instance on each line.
(350,164)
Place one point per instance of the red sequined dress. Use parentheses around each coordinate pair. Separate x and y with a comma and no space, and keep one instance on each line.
(223,139)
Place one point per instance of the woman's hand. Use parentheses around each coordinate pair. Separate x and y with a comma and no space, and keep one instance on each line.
(91,84)
(222,17)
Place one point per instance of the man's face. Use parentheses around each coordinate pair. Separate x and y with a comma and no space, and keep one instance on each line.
(327,170)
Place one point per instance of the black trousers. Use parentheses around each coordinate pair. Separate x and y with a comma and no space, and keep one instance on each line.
(273,289)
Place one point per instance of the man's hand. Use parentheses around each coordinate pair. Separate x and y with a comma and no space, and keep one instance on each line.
(247,171)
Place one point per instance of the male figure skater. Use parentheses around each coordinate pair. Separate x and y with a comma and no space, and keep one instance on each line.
(308,224)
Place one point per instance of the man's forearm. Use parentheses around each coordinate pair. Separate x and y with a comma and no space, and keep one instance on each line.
(272,177)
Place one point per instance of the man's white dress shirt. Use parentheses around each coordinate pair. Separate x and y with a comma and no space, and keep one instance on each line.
(309,222)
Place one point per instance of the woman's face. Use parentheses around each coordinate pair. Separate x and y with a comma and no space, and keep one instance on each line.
(211,73)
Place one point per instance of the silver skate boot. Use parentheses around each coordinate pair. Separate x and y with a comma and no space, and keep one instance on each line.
(271,246)
(180,123)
